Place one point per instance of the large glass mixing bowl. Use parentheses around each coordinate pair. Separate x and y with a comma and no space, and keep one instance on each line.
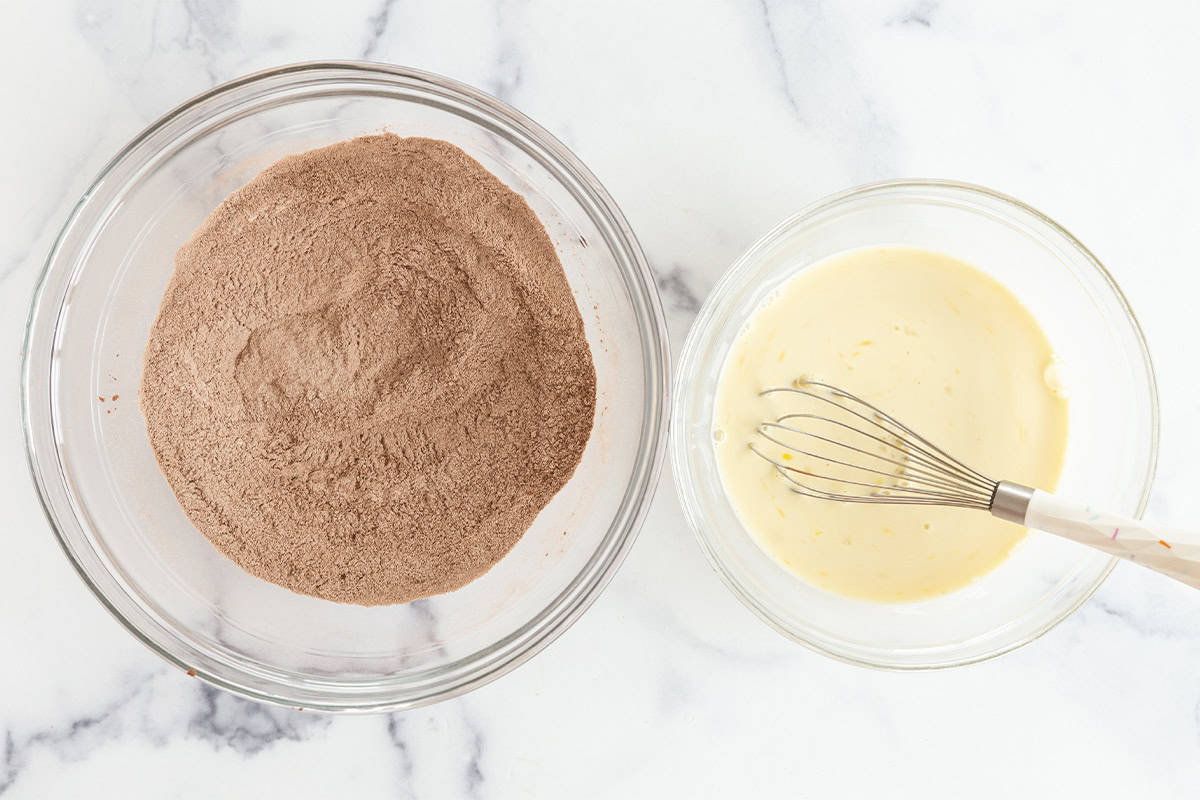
(120,524)
(1111,452)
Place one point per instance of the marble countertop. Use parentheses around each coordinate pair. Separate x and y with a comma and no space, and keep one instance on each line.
(708,122)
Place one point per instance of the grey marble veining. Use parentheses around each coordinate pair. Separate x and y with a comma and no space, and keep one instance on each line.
(247,727)
(708,123)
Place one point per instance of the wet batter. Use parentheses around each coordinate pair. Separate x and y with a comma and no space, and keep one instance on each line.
(941,346)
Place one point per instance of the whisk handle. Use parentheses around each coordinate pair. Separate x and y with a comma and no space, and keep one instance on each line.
(1170,551)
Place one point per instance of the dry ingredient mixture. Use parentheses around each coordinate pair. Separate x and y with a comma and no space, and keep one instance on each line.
(368,373)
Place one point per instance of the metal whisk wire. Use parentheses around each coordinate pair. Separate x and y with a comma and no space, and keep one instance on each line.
(923,473)
(856,447)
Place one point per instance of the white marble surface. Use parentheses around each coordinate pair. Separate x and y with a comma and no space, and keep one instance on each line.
(709,122)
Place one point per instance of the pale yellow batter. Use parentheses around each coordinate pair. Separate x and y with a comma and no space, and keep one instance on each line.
(943,348)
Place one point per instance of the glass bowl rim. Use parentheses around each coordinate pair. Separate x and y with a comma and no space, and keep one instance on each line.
(47,468)
(701,328)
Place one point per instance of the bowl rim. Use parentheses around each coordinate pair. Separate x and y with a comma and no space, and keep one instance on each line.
(700,327)
(485,664)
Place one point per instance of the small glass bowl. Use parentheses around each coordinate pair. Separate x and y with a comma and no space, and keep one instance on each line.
(116,517)
(1112,447)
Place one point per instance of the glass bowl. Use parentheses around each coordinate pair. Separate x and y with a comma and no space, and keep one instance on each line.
(120,524)
(1111,452)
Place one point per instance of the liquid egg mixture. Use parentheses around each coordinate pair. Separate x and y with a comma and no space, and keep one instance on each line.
(937,344)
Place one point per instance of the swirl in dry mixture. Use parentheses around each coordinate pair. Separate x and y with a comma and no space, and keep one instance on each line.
(368,373)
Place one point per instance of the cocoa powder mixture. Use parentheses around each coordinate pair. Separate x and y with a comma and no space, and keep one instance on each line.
(368,373)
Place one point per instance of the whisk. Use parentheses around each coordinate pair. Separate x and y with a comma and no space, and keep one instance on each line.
(852,452)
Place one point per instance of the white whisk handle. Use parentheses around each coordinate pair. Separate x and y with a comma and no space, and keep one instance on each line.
(1170,551)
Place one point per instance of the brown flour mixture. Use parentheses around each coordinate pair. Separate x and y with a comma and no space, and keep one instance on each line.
(368,373)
